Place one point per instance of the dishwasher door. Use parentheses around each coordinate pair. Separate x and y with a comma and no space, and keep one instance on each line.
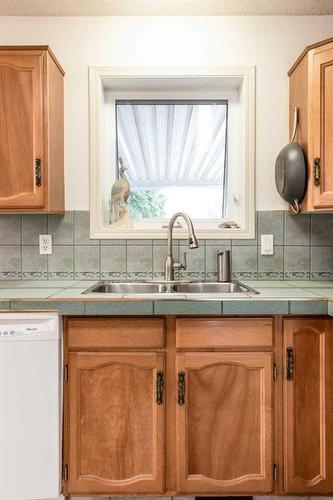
(30,399)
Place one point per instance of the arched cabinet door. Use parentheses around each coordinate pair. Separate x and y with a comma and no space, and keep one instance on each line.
(224,422)
(21,131)
(308,405)
(116,424)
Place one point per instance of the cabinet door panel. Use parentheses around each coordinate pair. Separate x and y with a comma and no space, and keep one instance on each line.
(224,427)
(322,122)
(308,407)
(116,442)
(21,130)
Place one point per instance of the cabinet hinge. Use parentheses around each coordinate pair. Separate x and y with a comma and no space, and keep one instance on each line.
(290,363)
(316,172)
(159,387)
(275,371)
(38,172)
(66,372)
(181,388)
(274,472)
(65,473)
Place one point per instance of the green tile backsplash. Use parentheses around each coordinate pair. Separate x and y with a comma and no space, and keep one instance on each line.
(303,250)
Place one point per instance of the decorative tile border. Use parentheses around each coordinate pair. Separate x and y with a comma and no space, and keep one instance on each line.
(245,276)
(297,276)
(303,251)
(34,275)
(10,275)
(61,275)
(322,276)
(139,276)
(271,276)
(87,275)
(114,276)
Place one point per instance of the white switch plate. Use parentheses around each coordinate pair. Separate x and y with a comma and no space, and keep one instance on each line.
(267,244)
(45,244)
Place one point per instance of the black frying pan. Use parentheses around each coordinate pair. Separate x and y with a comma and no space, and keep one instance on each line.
(291,171)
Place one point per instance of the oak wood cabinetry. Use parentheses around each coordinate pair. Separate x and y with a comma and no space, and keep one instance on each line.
(116,441)
(311,91)
(308,405)
(115,421)
(117,429)
(198,406)
(224,426)
(31,130)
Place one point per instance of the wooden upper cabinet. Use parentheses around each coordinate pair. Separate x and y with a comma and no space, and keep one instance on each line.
(321,105)
(224,429)
(308,406)
(311,91)
(116,427)
(31,131)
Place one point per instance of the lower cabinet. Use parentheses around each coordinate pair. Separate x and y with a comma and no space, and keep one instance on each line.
(224,424)
(308,405)
(116,435)
(198,406)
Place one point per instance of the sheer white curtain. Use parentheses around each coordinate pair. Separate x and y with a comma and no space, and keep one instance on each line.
(168,144)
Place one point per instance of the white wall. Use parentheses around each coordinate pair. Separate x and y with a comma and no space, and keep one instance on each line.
(270,43)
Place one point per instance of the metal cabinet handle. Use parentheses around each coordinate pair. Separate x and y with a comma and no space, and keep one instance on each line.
(159,387)
(38,172)
(181,388)
(316,172)
(290,363)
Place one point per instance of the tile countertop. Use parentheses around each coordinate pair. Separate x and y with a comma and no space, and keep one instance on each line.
(275,297)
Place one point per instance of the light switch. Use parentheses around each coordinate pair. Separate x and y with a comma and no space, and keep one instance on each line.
(267,244)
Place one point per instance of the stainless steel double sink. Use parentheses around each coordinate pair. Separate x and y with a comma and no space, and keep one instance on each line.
(152,287)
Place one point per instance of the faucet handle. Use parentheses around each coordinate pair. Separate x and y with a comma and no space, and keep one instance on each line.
(178,266)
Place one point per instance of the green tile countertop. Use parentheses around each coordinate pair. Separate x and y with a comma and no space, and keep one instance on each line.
(275,297)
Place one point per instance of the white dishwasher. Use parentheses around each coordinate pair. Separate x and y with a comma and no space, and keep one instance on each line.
(30,406)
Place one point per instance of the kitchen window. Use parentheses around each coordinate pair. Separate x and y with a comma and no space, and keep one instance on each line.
(179,143)
(175,152)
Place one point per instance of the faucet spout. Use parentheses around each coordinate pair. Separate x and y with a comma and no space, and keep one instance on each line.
(170,265)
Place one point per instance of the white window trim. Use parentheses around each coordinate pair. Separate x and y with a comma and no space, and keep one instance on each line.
(153,229)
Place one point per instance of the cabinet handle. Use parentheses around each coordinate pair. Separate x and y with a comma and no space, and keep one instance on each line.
(38,172)
(316,172)
(181,388)
(290,363)
(159,387)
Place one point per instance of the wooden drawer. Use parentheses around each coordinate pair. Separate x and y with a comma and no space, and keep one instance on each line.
(224,333)
(109,333)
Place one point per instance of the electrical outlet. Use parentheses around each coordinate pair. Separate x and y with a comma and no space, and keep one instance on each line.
(45,244)
(267,244)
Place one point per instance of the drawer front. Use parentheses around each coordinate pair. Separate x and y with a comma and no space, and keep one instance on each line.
(224,333)
(118,333)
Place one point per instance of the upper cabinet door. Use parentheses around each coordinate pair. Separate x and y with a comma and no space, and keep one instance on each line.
(21,130)
(308,406)
(224,422)
(116,424)
(321,119)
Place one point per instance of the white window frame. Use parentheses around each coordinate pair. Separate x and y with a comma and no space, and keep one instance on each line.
(173,82)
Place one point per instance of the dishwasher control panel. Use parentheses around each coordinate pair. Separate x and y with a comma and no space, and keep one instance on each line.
(17,327)
(20,331)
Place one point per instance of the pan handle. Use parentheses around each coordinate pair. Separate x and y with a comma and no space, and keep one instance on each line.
(295,206)
(295,125)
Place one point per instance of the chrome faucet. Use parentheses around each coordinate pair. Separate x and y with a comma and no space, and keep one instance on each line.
(170,265)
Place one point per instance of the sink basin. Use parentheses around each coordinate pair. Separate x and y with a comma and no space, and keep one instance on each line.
(169,287)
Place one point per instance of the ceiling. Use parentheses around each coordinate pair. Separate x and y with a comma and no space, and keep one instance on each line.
(164,7)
